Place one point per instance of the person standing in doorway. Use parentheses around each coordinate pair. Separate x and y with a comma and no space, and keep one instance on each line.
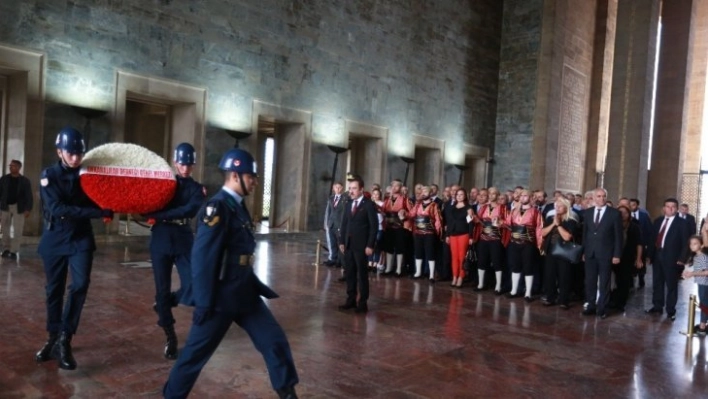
(15,205)
(332,222)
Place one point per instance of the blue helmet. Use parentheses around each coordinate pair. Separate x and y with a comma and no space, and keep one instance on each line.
(185,154)
(71,141)
(239,161)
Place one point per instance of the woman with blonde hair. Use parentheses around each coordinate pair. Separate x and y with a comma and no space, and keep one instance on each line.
(560,224)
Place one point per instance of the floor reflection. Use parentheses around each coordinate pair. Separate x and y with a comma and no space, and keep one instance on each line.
(417,340)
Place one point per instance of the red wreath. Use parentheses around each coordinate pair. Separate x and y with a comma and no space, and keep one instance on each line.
(127,178)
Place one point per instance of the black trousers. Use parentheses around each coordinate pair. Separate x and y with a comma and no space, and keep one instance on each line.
(557,279)
(521,258)
(357,275)
(665,284)
(623,278)
(490,253)
(595,268)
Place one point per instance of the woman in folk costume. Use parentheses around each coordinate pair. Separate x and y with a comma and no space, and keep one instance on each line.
(492,239)
(427,226)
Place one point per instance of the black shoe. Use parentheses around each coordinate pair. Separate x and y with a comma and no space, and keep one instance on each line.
(672,316)
(328,263)
(697,330)
(362,308)
(45,353)
(66,358)
(432,281)
(528,299)
(12,255)
(603,315)
(286,393)
(641,282)
(171,343)
(565,306)
(342,279)
(546,302)
(653,310)
(510,295)
(589,312)
(5,253)
(477,289)
(347,306)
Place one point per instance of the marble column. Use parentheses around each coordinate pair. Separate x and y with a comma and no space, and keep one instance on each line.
(675,90)
(625,168)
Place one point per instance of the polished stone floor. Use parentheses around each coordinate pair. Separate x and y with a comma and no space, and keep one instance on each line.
(417,341)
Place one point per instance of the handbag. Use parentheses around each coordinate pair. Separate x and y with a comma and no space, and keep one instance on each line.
(468,263)
(567,250)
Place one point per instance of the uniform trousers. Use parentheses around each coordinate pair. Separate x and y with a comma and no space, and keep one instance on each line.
(490,253)
(56,268)
(521,257)
(265,333)
(162,270)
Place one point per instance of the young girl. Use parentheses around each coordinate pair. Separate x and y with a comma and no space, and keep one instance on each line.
(699,262)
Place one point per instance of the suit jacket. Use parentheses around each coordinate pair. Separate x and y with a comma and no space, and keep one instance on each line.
(333,214)
(603,241)
(691,220)
(646,227)
(358,230)
(675,241)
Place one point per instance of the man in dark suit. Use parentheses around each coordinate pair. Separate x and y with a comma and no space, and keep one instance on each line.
(645,226)
(668,250)
(602,243)
(683,214)
(333,221)
(356,241)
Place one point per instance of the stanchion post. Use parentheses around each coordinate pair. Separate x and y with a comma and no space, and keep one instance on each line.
(691,316)
(318,253)
(127,224)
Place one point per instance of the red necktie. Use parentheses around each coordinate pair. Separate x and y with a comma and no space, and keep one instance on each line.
(354,207)
(660,237)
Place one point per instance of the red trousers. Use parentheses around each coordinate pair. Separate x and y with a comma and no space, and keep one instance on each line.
(458,250)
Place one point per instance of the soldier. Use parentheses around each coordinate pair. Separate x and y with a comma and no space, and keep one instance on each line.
(171,242)
(67,244)
(225,289)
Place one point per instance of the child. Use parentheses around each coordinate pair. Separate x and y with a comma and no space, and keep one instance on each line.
(699,261)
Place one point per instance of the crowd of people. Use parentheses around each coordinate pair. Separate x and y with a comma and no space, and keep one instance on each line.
(516,243)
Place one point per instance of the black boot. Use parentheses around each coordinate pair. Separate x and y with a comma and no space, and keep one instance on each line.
(171,343)
(287,393)
(66,359)
(45,353)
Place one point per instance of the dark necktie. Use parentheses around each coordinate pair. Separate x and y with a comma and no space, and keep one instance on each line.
(597,217)
(354,205)
(336,200)
(660,237)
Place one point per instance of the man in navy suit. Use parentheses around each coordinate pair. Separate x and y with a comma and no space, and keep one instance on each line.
(668,249)
(356,241)
(683,214)
(602,244)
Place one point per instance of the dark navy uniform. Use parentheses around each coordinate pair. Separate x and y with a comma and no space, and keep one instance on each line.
(67,242)
(226,290)
(171,243)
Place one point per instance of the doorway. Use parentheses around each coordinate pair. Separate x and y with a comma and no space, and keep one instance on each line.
(148,124)
(280,147)
(426,168)
(364,158)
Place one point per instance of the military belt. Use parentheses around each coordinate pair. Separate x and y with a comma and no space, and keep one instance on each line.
(178,222)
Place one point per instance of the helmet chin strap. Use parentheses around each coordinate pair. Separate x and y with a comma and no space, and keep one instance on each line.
(243,186)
